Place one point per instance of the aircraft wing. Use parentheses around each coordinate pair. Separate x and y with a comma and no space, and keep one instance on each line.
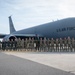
(27,35)
(6,37)
(3,35)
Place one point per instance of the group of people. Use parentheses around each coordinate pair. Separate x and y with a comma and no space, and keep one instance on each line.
(41,44)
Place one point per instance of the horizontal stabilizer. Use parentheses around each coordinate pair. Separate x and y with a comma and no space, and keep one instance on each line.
(3,35)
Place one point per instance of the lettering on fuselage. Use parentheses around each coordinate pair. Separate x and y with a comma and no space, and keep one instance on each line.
(65,29)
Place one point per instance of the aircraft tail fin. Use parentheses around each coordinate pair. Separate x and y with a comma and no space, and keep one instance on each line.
(12,29)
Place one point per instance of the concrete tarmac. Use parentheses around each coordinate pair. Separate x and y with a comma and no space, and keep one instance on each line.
(12,65)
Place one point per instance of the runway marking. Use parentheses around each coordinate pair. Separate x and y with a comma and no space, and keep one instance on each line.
(63,61)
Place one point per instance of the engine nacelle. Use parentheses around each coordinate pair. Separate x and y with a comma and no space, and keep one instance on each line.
(9,37)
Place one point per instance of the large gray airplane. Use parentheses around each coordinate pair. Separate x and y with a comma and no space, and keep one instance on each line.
(56,29)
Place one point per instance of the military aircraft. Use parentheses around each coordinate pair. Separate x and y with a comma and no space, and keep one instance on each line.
(56,29)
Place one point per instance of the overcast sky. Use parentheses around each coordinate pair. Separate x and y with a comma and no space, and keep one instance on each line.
(28,13)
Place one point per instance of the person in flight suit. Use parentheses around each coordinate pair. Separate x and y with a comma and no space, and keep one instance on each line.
(19,43)
(3,45)
(73,44)
(44,43)
(15,44)
(48,44)
(41,44)
(26,43)
(8,44)
(32,43)
(61,44)
(52,44)
(22,43)
(29,43)
(57,44)
(12,44)
(37,41)
(65,44)
(69,43)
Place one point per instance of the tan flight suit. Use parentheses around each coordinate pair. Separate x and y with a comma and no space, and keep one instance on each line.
(26,43)
(69,43)
(41,44)
(52,44)
(22,43)
(48,44)
(57,45)
(19,43)
(61,44)
(15,43)
(65,44)
(32,43)
(73,44)
(12,45)
(44,44)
